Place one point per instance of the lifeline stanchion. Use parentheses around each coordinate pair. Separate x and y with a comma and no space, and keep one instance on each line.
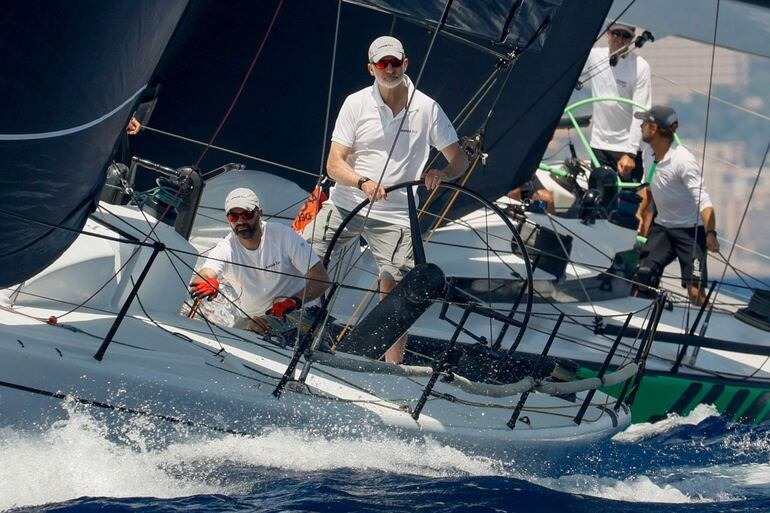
(629,389)
(439,367)
(304,343)
(590,395)
(683,349)
(156,248)
(517,411)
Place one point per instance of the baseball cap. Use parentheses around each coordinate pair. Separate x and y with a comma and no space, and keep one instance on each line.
(624,27)
(385,46)
(241,198)
(661,115)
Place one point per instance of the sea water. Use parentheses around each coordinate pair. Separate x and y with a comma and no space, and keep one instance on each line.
(697,463)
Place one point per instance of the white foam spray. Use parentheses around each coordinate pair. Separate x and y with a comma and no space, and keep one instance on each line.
(638,432)
(78,458)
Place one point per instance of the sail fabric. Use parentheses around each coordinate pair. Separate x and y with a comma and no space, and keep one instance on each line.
(72,74)
(281,115)
(512,23)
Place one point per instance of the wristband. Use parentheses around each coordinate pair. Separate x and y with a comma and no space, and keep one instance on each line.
(712,231)
(362,181)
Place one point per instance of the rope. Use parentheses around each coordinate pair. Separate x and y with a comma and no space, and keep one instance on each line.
(571,262)
(241,87)
(320,178)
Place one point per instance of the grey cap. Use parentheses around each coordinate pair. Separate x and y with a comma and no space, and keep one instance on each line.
(622,26)
(241,198)
(385,46)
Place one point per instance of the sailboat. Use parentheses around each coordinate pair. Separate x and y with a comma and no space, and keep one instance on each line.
(718,357)
(93,289)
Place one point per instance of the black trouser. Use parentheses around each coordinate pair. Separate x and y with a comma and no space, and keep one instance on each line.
(664,245)
(610,158)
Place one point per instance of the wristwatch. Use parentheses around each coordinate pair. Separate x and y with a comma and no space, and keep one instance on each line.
(362,181)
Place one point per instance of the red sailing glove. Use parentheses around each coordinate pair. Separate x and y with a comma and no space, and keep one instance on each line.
(282,306)
(207,289)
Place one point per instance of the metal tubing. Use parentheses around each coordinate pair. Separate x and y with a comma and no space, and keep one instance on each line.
(514,307)
(156,248)
(418,249)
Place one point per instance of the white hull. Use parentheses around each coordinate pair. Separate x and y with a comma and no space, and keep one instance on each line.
(173,369)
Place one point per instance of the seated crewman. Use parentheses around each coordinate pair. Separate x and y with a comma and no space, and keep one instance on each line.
(276,269)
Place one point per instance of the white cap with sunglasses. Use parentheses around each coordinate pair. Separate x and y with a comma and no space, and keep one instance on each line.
(242,198)
(628,29)
(385,46)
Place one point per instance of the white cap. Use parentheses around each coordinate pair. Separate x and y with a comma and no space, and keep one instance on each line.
(385,46)
(241,198)
(624,27)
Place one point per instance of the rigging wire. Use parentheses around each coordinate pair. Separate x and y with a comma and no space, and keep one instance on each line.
(738,232)
(714,97)
(572,263)
(687,310)
(547,89)
(230,151)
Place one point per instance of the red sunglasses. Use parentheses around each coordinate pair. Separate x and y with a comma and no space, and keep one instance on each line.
(246,215)
(383,63)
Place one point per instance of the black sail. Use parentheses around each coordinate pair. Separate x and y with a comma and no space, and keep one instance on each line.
(71,74)
(281,114)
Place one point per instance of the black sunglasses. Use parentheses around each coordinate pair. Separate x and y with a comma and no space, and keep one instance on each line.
(622,34)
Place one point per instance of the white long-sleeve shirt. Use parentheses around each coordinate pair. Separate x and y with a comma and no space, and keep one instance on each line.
(677,189)
(613,126)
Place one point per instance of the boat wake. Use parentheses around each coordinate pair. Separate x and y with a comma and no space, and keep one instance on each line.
(78,457)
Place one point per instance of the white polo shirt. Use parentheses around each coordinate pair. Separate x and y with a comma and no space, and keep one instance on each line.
(677,189)
(613,126)
(367,126)
(273,269)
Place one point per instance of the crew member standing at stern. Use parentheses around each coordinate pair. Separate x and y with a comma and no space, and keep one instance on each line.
(684,225)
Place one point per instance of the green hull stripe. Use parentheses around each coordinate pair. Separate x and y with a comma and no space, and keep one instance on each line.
(713,394)
(686,398)
(659,395)
(756,407)
(735,404)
